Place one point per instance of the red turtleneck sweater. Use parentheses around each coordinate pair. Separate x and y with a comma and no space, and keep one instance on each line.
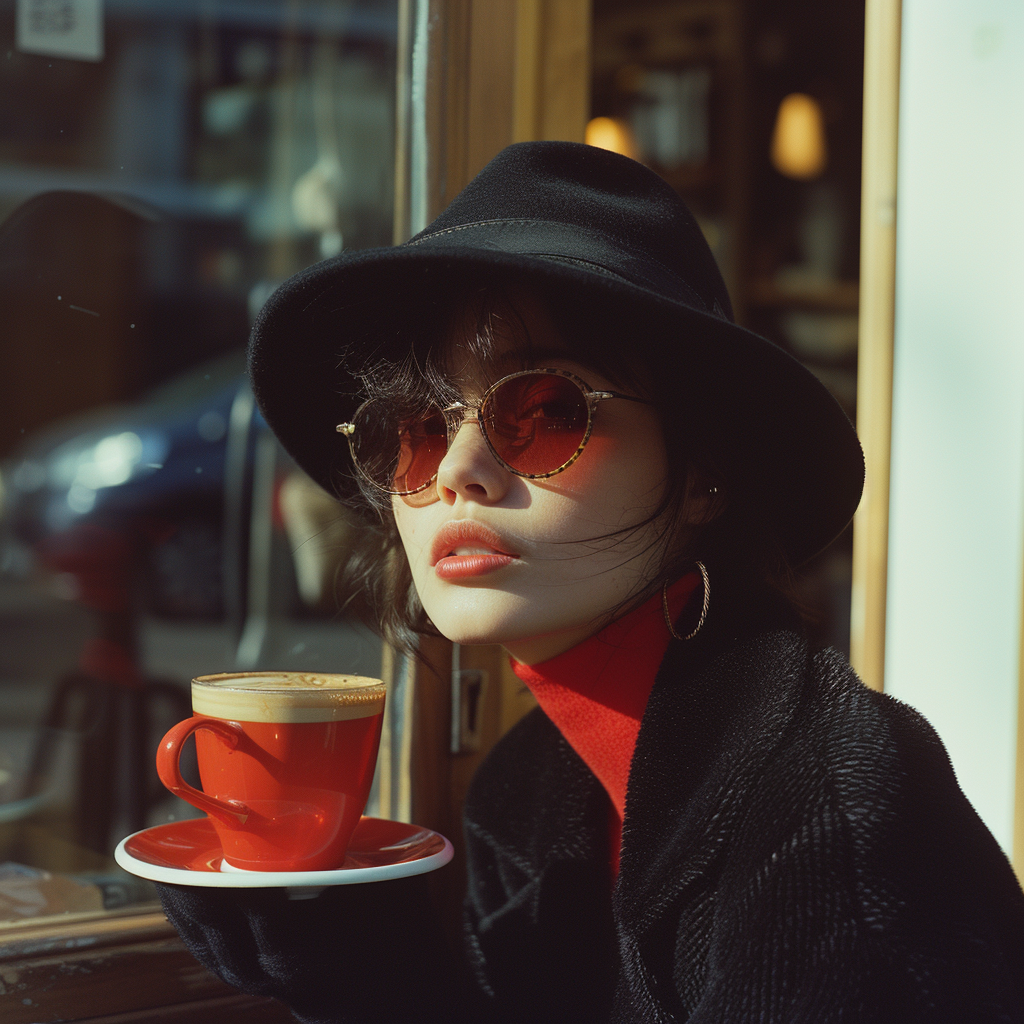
(596,692)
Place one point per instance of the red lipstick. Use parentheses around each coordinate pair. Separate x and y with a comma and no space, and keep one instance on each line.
(464,548)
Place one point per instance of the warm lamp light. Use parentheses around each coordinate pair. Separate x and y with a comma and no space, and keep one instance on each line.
(798,141)
(611,133)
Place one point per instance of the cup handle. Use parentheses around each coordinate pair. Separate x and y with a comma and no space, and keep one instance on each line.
(232,813)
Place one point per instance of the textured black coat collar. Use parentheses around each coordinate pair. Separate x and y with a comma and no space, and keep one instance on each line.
(706,716)
(795,849)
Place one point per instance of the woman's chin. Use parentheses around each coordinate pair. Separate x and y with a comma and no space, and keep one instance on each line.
(472,616)
(530,619)
(471,634)
(525,644)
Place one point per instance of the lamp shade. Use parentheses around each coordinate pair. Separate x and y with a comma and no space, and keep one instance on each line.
(614,134)
(798,141)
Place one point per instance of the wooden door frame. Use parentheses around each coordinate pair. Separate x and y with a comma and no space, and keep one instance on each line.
(875,343)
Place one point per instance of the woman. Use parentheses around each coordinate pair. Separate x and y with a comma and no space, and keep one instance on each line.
(597,469)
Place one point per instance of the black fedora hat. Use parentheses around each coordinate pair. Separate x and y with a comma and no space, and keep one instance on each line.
(601,230)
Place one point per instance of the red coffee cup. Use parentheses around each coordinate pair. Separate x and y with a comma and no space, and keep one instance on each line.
(286,761)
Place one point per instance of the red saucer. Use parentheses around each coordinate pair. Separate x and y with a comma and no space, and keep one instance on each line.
(189,852)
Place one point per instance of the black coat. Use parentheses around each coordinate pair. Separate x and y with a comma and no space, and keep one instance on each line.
(795,849)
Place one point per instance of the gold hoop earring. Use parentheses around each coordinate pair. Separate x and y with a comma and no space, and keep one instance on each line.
(703,611)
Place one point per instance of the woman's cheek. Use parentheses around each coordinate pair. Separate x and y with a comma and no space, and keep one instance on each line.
(413,531)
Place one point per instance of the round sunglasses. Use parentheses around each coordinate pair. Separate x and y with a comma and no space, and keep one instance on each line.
(535,422)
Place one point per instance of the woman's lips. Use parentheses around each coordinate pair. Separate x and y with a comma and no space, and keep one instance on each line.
(464,548)
(454,567)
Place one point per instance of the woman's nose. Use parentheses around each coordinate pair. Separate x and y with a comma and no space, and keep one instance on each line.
(469,470)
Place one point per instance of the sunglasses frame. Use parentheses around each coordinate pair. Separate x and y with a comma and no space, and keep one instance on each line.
(455,416)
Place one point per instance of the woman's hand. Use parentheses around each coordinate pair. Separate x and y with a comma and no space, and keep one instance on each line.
(370,952)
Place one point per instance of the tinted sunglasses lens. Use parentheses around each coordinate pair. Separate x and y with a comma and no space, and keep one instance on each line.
(536,422)
(399,453)
(424,442)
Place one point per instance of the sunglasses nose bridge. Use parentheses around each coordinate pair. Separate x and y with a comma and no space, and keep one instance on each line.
(455,416)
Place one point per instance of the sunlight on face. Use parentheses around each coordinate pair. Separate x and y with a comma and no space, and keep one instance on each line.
(539,565)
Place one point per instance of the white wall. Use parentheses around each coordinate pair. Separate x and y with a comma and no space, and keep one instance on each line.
(957,497)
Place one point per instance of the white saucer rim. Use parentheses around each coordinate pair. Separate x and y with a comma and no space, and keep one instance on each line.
(280,879)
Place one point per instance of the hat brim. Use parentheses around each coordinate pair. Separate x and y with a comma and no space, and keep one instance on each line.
(776,432)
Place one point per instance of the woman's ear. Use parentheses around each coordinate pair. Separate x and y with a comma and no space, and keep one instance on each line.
(705,497)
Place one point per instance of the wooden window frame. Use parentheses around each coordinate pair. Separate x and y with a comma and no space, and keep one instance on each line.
(875,342)
(106,967)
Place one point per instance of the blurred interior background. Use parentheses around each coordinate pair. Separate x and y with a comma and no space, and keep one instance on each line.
(753,112)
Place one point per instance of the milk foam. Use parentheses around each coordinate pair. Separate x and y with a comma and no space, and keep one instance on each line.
(287,696)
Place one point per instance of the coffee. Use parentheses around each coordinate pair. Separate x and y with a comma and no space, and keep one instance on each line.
(286,761)
(286,696)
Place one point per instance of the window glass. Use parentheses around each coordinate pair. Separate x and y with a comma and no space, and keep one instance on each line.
(752,112)
(164,164)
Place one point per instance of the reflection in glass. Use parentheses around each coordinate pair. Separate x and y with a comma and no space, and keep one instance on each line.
(150,201)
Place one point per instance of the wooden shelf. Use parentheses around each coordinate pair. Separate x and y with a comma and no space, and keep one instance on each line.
(687,176)
(825,296)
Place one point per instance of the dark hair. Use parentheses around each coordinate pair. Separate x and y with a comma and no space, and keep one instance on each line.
(734,540)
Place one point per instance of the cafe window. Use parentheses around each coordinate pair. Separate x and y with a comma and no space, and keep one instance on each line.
(164,165)
(753,113)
